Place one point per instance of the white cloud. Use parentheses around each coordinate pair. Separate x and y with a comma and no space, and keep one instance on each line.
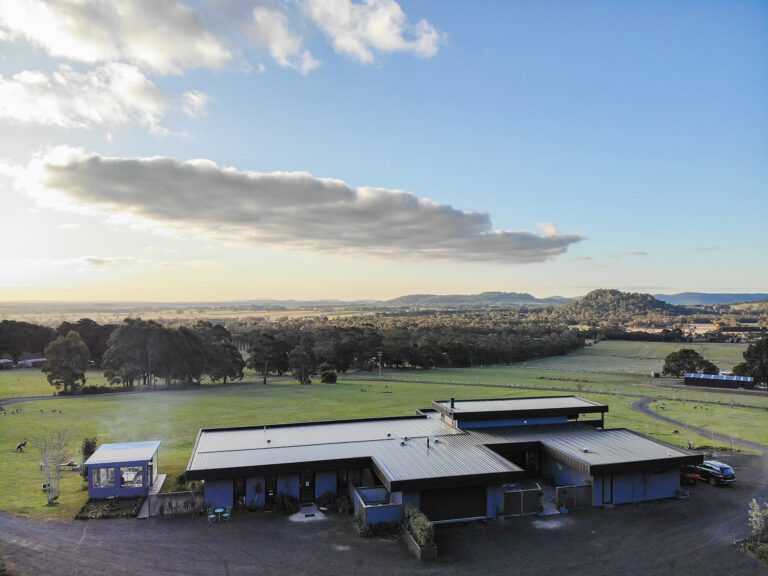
(272,29)
(357,29)
(194,103)
(113,94)
(632,253)
(162,35)
(284,210)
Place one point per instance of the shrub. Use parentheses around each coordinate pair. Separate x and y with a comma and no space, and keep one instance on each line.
(327,374)
(326,500)
(87,448)
(418,525)
(343,505)
(287,502)
(762,553)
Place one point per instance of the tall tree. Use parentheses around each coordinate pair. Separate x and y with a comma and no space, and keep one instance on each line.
(755,361)
(687,360)
(66,361)
(265,354)
(52,448)
(301,361)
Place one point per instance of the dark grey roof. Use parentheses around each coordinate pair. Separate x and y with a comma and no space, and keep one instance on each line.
(570,406)
(505,404)
(725,377)
(124,452)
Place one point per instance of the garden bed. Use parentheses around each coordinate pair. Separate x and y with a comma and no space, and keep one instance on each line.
(110,508)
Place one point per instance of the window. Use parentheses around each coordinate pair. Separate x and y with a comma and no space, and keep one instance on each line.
(103,477)
(132,476)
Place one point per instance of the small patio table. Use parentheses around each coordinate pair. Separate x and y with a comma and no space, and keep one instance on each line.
(219,512)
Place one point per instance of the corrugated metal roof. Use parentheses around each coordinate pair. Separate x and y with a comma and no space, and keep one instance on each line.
(728,377)
(124,452)
(452,452)
(325,433)
(584,444)
(450,455)
(517,404)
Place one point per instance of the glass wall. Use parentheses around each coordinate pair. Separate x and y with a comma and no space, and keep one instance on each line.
(132,476)
(103,477)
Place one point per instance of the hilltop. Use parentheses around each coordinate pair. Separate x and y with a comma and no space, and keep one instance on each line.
(616,306)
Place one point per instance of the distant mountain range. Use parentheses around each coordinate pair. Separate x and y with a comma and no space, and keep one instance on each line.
(708,299)
(596,300)
(482,300)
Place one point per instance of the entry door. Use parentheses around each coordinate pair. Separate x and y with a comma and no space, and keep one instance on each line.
(532,466)
(307,490)
(607,488)
(270,490)
(239,491)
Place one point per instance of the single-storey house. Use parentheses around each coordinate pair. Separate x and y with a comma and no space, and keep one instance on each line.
(719,380)
(456,460)
(125,469)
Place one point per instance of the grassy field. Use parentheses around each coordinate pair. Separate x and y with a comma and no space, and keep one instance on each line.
(747,423)
(636,358)
(175,416)
(25,382)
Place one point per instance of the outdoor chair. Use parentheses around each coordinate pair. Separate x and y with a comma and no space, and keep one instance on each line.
(227,514)
(211,516)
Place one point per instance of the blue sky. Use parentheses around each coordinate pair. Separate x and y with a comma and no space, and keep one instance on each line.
(638,132)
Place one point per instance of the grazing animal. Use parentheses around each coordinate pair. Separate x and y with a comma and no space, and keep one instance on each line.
(21,445)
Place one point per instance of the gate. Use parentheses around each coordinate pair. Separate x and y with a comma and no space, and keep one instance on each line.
(574,496)
(523,502)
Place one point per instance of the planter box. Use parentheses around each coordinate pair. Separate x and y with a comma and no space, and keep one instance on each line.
(421,552)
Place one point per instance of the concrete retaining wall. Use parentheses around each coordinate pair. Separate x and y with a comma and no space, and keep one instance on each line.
(174,503)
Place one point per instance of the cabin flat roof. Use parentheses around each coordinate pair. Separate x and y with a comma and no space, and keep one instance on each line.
(517,407)
(124,452)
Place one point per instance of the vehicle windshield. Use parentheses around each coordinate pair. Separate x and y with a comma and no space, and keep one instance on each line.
(726,470)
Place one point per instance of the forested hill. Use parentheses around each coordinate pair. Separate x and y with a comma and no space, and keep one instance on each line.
(482,300)
(709,299)
(613,305)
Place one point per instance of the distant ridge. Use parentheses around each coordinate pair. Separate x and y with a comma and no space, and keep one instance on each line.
(482,300)
(708,299)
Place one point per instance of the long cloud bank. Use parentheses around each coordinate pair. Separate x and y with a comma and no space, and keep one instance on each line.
(286,210)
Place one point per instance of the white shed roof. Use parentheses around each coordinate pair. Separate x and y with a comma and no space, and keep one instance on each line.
(124,452)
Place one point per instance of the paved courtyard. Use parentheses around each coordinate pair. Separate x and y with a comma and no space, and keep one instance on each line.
(670,537)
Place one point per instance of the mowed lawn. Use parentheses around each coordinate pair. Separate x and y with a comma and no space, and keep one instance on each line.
(174,418)
(636,358)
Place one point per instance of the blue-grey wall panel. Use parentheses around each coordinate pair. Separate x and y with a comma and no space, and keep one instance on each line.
(219,493)
(325,481)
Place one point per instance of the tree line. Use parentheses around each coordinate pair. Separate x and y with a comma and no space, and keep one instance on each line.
(143,352)
(306,347)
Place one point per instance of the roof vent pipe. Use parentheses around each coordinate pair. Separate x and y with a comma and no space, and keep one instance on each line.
(452,402)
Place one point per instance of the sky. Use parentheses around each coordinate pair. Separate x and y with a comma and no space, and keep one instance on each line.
(216,150)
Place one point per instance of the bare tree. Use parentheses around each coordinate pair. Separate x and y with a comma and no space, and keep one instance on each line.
(52,447)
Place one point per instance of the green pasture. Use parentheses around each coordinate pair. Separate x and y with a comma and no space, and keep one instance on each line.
(746,423)
(636,358)
(566,382)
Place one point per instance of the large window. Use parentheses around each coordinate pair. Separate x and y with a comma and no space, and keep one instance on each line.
(103,477)
(132,476)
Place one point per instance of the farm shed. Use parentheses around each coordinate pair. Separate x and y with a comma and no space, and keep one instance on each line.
(455,460)
(719,380)
(125,469)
